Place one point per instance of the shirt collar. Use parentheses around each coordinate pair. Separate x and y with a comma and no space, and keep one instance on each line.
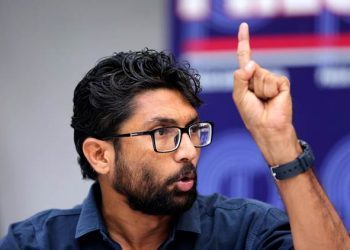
(190,220)
(90,217)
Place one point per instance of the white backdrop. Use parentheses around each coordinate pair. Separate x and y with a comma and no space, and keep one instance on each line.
(46,47)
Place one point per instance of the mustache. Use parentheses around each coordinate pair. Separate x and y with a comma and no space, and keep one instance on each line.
(187,170)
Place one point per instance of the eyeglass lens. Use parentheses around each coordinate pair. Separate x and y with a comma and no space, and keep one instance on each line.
(168,139)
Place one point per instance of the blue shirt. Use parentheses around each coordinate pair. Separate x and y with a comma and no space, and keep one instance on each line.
(213,222)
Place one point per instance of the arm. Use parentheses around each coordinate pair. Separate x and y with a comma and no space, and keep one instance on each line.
(264,103)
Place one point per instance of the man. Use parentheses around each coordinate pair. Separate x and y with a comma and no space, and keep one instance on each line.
(138,134)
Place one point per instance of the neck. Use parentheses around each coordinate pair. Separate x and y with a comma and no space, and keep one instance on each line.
(132,229)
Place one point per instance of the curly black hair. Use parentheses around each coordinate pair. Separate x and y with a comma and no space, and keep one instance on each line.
(103,98)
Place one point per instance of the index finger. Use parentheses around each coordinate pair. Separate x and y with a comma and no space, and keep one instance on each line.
(243,48)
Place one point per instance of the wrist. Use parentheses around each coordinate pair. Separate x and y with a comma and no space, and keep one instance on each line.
(278,147)
(301,164)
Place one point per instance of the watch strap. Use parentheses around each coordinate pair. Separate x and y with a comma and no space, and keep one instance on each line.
(302,163)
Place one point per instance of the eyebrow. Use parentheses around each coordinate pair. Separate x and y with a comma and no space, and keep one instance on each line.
(169,121)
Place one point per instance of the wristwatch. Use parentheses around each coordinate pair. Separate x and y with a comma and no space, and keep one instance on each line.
(302,163)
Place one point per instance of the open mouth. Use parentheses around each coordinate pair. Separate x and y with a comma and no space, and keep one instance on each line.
(186,181)
(187,176)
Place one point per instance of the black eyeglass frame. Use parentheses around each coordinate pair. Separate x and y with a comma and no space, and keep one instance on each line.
(152,132)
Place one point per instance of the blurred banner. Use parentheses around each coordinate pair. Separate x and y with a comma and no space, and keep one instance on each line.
(307,41)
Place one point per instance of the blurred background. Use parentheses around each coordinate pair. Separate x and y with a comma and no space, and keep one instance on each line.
(46,47)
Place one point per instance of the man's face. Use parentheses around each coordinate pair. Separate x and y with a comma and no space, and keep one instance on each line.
(157,183)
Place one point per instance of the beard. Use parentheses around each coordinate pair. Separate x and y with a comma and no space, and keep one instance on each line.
(145,194)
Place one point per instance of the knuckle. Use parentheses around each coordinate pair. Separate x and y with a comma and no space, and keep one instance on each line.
(284,79)
(238,74)
(243,53)
(236,97)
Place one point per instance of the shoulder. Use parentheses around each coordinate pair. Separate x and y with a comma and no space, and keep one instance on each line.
(33,229)
(219,203)
(247,223)
(47,218)
(243,214)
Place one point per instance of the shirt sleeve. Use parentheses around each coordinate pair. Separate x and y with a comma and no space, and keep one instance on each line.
(274,231)
(20,236)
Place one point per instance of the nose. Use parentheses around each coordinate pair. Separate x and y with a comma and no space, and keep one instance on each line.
(186,151)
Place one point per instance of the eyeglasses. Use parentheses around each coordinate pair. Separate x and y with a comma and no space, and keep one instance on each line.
(168,139)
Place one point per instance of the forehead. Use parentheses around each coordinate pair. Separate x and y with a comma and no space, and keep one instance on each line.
(162,104)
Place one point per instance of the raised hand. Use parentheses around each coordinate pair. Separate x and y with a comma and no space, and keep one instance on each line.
(264,102)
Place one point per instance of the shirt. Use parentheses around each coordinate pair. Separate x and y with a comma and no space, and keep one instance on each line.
(213,222)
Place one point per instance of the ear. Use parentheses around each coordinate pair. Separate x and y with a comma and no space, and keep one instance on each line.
(100,155)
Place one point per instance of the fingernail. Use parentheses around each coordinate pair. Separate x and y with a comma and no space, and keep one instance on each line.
(249,66)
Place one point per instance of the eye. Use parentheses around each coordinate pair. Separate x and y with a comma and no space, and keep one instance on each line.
(162,131)
(195,128)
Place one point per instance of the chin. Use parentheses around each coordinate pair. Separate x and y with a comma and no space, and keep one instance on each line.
(186,199)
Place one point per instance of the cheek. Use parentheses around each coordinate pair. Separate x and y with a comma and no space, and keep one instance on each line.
(139,155)
(197,158)
(137,145)
(160,165)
